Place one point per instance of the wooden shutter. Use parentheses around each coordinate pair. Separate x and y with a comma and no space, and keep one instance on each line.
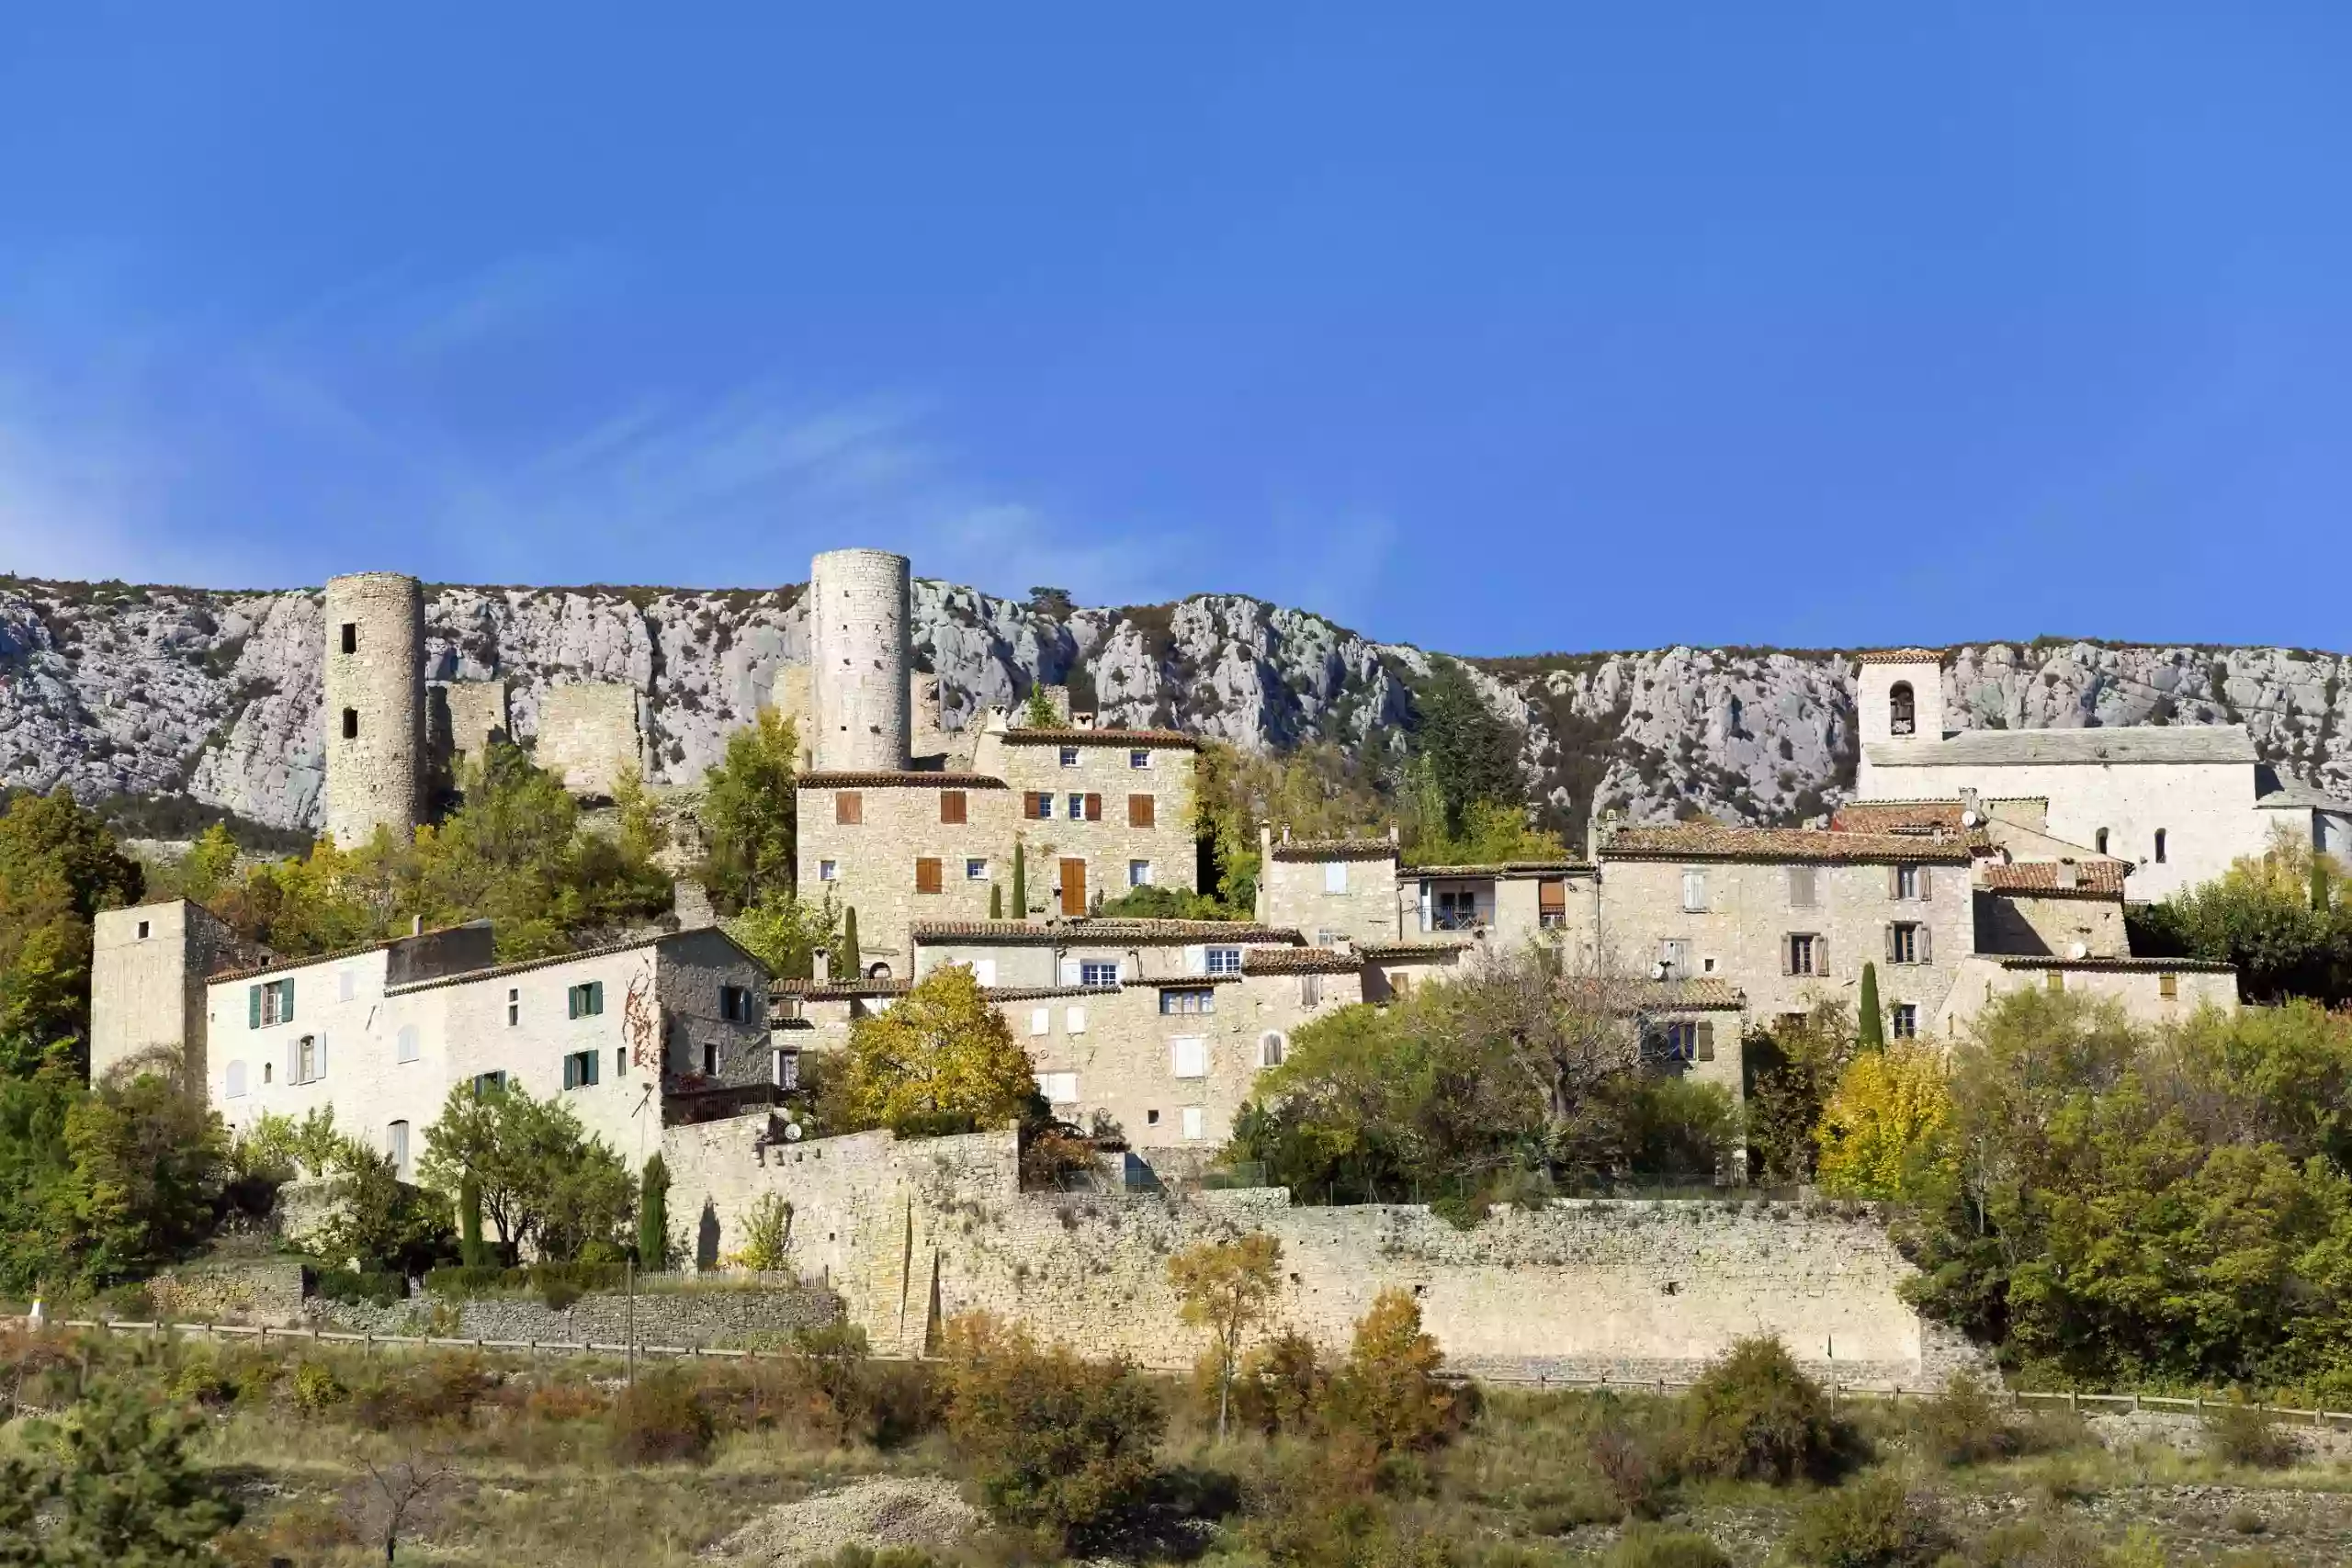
(1094,808)
(926,874)
(1706,1036)
(1821,955)
(1895,882)
(1789,954)
(849,808)
(1926,882)
(1551,896)
(1142,811)
(1890,944)
(1035,805)
(1926,951)
(1073,887)
(951,807)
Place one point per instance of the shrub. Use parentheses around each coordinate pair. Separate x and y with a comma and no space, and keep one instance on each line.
(1281,1386)
(1965,1425)
(428,1390)
(375,1287)
(2051,1542)
(199,1381)
(1873,1523)
(660,1421)
(1388,1389)
(1754,1416)
(316,1388)
(1060,1445)
(768,1235)
(2248,1436)
(1623,1460)
(1650,1546)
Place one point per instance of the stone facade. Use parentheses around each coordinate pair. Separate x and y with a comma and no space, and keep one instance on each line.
(1331,889)
(2051,924)
(912,1232)
(857,621)
(722,1315)
(2151,990)
(374,706)
(147,969)
(589,733)
(467,715)
(1133,821)
(866,840)
(259,1290)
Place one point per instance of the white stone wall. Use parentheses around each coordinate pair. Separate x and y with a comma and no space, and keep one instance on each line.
(858,618)
(147,965)
(1298,894)
(2015,923)
(1980,981)
(374,778)
(1873,685)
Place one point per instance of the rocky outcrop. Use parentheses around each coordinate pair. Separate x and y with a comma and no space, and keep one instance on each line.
(214,696)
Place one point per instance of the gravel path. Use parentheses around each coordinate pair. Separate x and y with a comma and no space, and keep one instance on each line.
(923,1511)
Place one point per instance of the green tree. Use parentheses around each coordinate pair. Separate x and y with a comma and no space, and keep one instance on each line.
(787,934)
(1883,1127)
(748,814)
(148,1164)
(1469,752)
(653,1215)
(1020,881)
(1790,1070)
(941,1054)
(1038,713)
(2263,916)
(59,866)
(471,1251)
(996,901)
(1870,1019)
(376,1220)
(1227,1288)
(210,865)
(852,963)
(37,1181)
(541,1179)
(128,1493)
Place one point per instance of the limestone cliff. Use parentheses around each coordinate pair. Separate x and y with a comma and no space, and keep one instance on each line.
(215,696)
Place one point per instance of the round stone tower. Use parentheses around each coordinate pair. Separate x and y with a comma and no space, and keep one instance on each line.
(375,705)
(857,635)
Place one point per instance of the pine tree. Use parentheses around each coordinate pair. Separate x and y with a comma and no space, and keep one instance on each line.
(852,965)
(653,1216)
(470,1247)
(130,1494)
(1020,883)
(996,902)
(1873,1026)
(1039,714)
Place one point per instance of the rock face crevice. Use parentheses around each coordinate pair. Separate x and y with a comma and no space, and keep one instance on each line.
(216,695)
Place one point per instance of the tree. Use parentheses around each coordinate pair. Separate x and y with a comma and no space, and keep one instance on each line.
(405,1488)
(1020,881)
(2266,916)
(128,1495)
(541,1179)
(748,814)
(1388,1388)
(940,1055)
(376,1218)
(1227,1288)
(1470,753)
(852,963)
(768,1235)
(59,866)
(787,934)
(1791,1068)
(1038,713)
(1884,1123)
(148,1164)
(470,1251)
(653,1215)
(996,901)
(1872,1035)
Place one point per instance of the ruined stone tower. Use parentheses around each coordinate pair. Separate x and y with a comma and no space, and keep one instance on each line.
(857,626)
(375,705)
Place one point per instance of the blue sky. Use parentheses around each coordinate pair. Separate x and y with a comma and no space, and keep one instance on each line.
(1496,329)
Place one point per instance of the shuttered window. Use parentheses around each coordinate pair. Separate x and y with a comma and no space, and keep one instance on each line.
(1094,808)
(1551,902)
(1037,806)
(1802,887)
(926,874)
(951,807)
(849,808)
(586,1000)
(1143,812)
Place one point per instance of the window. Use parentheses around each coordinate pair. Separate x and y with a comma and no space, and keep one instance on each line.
(1151,1117)
(1187,1000)
(1139,759)
(266,1072)
(1551,903)
(620,1061)
(1143,812)
(269,1003)
(2168,986)
(351,724)
(404,1044)
(1310,990)
(1059,1089)
(1086,808)
(587,1000)
(1903,1021)
(235,1080)
(1687,1041)
(735,1003)
(1194,1127)
(1271,1047)
(347,985)
(1037,805)
(710,1059)
(927,875)
(2160,860)
(1188,1056)
(849,808)
(1902,710)
(350,637)
(1070,756)
(1906,943)
(143,931)
(1098,972)
(310,1062)
(1457,910)
(513,1006)
(951,808)
(787,1068)
(396,1145)
(1694,890)
(829,871)
(1138,873)
(2055,981)
(2099,841)
(1804,889)
(976,869)
(1221,961)
(1041,1021)
(1335,876)
(1674,959)
(1074,1021)
(1905,882)
(580,1069)
(1803,956)
(488,1083)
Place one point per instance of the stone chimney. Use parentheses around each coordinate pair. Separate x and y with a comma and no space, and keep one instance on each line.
(2069,875)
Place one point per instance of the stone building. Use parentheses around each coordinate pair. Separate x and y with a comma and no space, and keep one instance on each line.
(147,970)
(1335,890)
(590,733)
(374,719)
(901,846)
(1103,811)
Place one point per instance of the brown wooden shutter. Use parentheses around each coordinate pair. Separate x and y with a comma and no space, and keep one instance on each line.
(1551,896)
(1926,882)
(1142,811)
(1787,955)
(1821,955)
(1032,806)
(1094,808)
(849,808)
(926,874)
(1706,1042)
(951,807)
(1895,882)
(1926,952)
(1890,944)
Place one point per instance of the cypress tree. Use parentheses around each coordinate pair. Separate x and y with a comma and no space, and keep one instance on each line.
(1019,882)
(996,902)
(2319,884)
(653,1216)
(470,1248)
(852,964)
(1873,1026)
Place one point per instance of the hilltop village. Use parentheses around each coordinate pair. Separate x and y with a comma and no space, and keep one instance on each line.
(1967,867)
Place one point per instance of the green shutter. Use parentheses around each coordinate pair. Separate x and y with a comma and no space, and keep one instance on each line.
(595,996)
(572,1003)
(286,1000)
(252,1007)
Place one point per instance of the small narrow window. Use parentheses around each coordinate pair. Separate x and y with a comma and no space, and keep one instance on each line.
(1139,759)
(1151,1117)
(1906,882)
(1903,1021)
(396,1146)
(710,1059)
(350,637)
(1041,1021)
(351,724)
(1694,891)
(513,1006)
(787,1069)
(976,869)
(267,1072)
(2160,848)
(620,1061)
(1195,1124)
(1802,948)
(1901,709)
(1138,873)
(405,1047)
(1335,876)
(2168,986)
(1076,809)
(1070,756)
(1270,1047)
(143,931)
(2099,843)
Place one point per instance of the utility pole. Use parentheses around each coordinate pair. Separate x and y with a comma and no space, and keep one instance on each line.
(630,1333)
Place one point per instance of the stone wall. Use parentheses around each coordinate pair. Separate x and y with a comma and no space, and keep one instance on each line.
(910,1234)
(2016,923)
(858,618)
(588,731)
(871,861)
(467,715)
(374,720)
(2137,984)
(1082,762)
(723,1314)
(1350,894)
(260,1291)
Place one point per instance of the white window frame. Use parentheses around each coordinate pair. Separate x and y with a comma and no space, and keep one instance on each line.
(1694,890)
(1070,757)
(1335,876)
(1138,873)
(1041,1021)
(1187,1051)
(1074,1021)
(1089,971)
(784,1066)
(1077,812)
(1140,758)
(1903,1021)
(407,1047)
(1194,1122)
(1221,961)
(1060,1087)
(829,871)
(976,868)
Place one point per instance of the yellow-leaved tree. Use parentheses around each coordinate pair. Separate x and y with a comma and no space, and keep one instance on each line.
(939,1057)
(1880,1134)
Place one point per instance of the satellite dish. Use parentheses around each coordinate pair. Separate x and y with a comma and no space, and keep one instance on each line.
(2080,949)
(792,1132)
(1969,819)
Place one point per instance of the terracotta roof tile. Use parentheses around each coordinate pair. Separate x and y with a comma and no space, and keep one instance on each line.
(1335,848)
(1693,841)
(1095,930)
(2093,878)
(1399,952)
(1300,961)
(1509,868)
(1075,737)
(1899,656)
(2120,965)
(1634,994)
(500,971)
(900,779)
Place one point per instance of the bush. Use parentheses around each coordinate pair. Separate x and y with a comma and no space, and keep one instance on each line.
(2247,1435)
(316,1388)
(1754,1416)
(1624,1461)
(375,1287)
(1060,1445)
(1649,1546)
(660,1421)
(1965,1425)
(428,1390)
(2049,1543)
(1281,1386)
(1874,1523)
(1388,1389)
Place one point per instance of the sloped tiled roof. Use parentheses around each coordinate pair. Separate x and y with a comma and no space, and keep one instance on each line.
(1093,929)
(2120,965)
(500,971)
(1899,656)
(1714,841)
(837,991)
(1075,737)
(1300,961)
(1335,848)
(1403,951)
(1633,994)
(2129,744)
(904,778)
(1507,868)
(2039,878)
